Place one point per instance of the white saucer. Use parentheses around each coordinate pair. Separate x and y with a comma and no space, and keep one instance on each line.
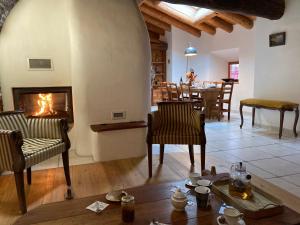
(115,196)
(205,183)
(241,222)
(188,183)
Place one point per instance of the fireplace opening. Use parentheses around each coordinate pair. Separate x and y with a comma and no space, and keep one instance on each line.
(46,102)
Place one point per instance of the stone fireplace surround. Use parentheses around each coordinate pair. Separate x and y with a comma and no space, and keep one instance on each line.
(105,59)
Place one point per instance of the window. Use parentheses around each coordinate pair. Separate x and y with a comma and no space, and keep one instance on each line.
(233,70)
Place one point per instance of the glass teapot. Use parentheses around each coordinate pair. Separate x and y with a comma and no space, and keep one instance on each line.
(240,181)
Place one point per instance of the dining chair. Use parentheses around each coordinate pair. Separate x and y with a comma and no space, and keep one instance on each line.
(212,106)
(173,92)
(185,92)
(225,97)
(176,123)
(164,91)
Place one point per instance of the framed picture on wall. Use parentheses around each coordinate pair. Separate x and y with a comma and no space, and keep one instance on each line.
(277,39)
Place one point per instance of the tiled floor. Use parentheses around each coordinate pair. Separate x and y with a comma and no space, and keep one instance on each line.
(264,154)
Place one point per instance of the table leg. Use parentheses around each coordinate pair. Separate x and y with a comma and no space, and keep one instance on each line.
(296,121)
(253,116)
(242,117)
(281,122)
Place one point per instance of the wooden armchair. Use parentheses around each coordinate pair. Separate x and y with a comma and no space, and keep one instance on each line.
(176,123)
(27,142)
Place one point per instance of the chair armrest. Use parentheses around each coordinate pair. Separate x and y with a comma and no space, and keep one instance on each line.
(154,120)
(153,124)
(11,155)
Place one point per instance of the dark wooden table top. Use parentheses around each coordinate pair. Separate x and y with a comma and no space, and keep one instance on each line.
(152,201)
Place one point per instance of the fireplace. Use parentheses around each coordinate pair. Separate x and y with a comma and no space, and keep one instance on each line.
(45,102)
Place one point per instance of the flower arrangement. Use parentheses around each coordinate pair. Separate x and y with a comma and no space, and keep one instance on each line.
(190,77)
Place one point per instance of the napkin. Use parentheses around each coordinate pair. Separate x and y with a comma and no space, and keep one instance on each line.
(97,206)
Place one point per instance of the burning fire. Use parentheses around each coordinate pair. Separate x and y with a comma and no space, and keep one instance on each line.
(46,105)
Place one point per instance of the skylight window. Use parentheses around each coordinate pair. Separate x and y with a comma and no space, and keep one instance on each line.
(194,13)
(187,10)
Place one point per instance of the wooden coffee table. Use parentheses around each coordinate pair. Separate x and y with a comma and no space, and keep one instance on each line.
(152,201)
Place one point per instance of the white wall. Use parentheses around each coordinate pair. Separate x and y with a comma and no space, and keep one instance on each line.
(277,69)
(210,67)
(111,72)
(105,58)
(34,29)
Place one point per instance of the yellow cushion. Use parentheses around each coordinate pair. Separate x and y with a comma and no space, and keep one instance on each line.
(269,103)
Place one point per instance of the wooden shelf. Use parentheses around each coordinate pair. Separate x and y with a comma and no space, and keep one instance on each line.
(118,126)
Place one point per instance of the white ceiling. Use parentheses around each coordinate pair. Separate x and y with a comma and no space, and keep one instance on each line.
(229,55)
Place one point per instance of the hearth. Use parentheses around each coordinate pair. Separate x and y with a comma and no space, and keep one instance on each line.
(46,102)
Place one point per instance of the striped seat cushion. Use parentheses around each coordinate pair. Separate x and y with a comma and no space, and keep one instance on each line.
(176,135)
(16,121)
(37,150)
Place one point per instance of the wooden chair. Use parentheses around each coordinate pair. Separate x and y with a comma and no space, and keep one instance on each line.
(164,91)
(176,123)
(211,103)
(27,142)
(173,92)
(225,97)
(185,92)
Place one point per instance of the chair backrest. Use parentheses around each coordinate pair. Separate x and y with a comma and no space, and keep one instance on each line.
(211,102)
(176,113)
(211,96)
(226,90)
(173,92)
(185,91)
(164,91)
(14,121)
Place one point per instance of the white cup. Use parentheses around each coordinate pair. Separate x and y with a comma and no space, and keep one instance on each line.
(232,216)
(203,196)
(194,177)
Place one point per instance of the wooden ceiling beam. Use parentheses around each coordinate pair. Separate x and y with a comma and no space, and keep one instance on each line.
(207,28)
(270,9)
(220,23)
(169,20)
(156,22)
(155,29)
(181,17)
(236,18)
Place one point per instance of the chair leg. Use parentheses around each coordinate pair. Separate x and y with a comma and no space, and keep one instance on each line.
(29,176)
(65,157)
(191,151)
(19,179)
(202,157)
(229,109)
(161,155)
(150,159)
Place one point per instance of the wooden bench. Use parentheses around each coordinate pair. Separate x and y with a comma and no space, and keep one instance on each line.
(282,106)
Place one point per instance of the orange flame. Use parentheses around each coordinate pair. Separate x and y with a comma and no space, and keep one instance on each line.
(46,105)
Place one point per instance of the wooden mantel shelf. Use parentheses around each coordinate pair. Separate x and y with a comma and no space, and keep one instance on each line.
(118,126)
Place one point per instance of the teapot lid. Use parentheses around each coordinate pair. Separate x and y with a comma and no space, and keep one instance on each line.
(179,194)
